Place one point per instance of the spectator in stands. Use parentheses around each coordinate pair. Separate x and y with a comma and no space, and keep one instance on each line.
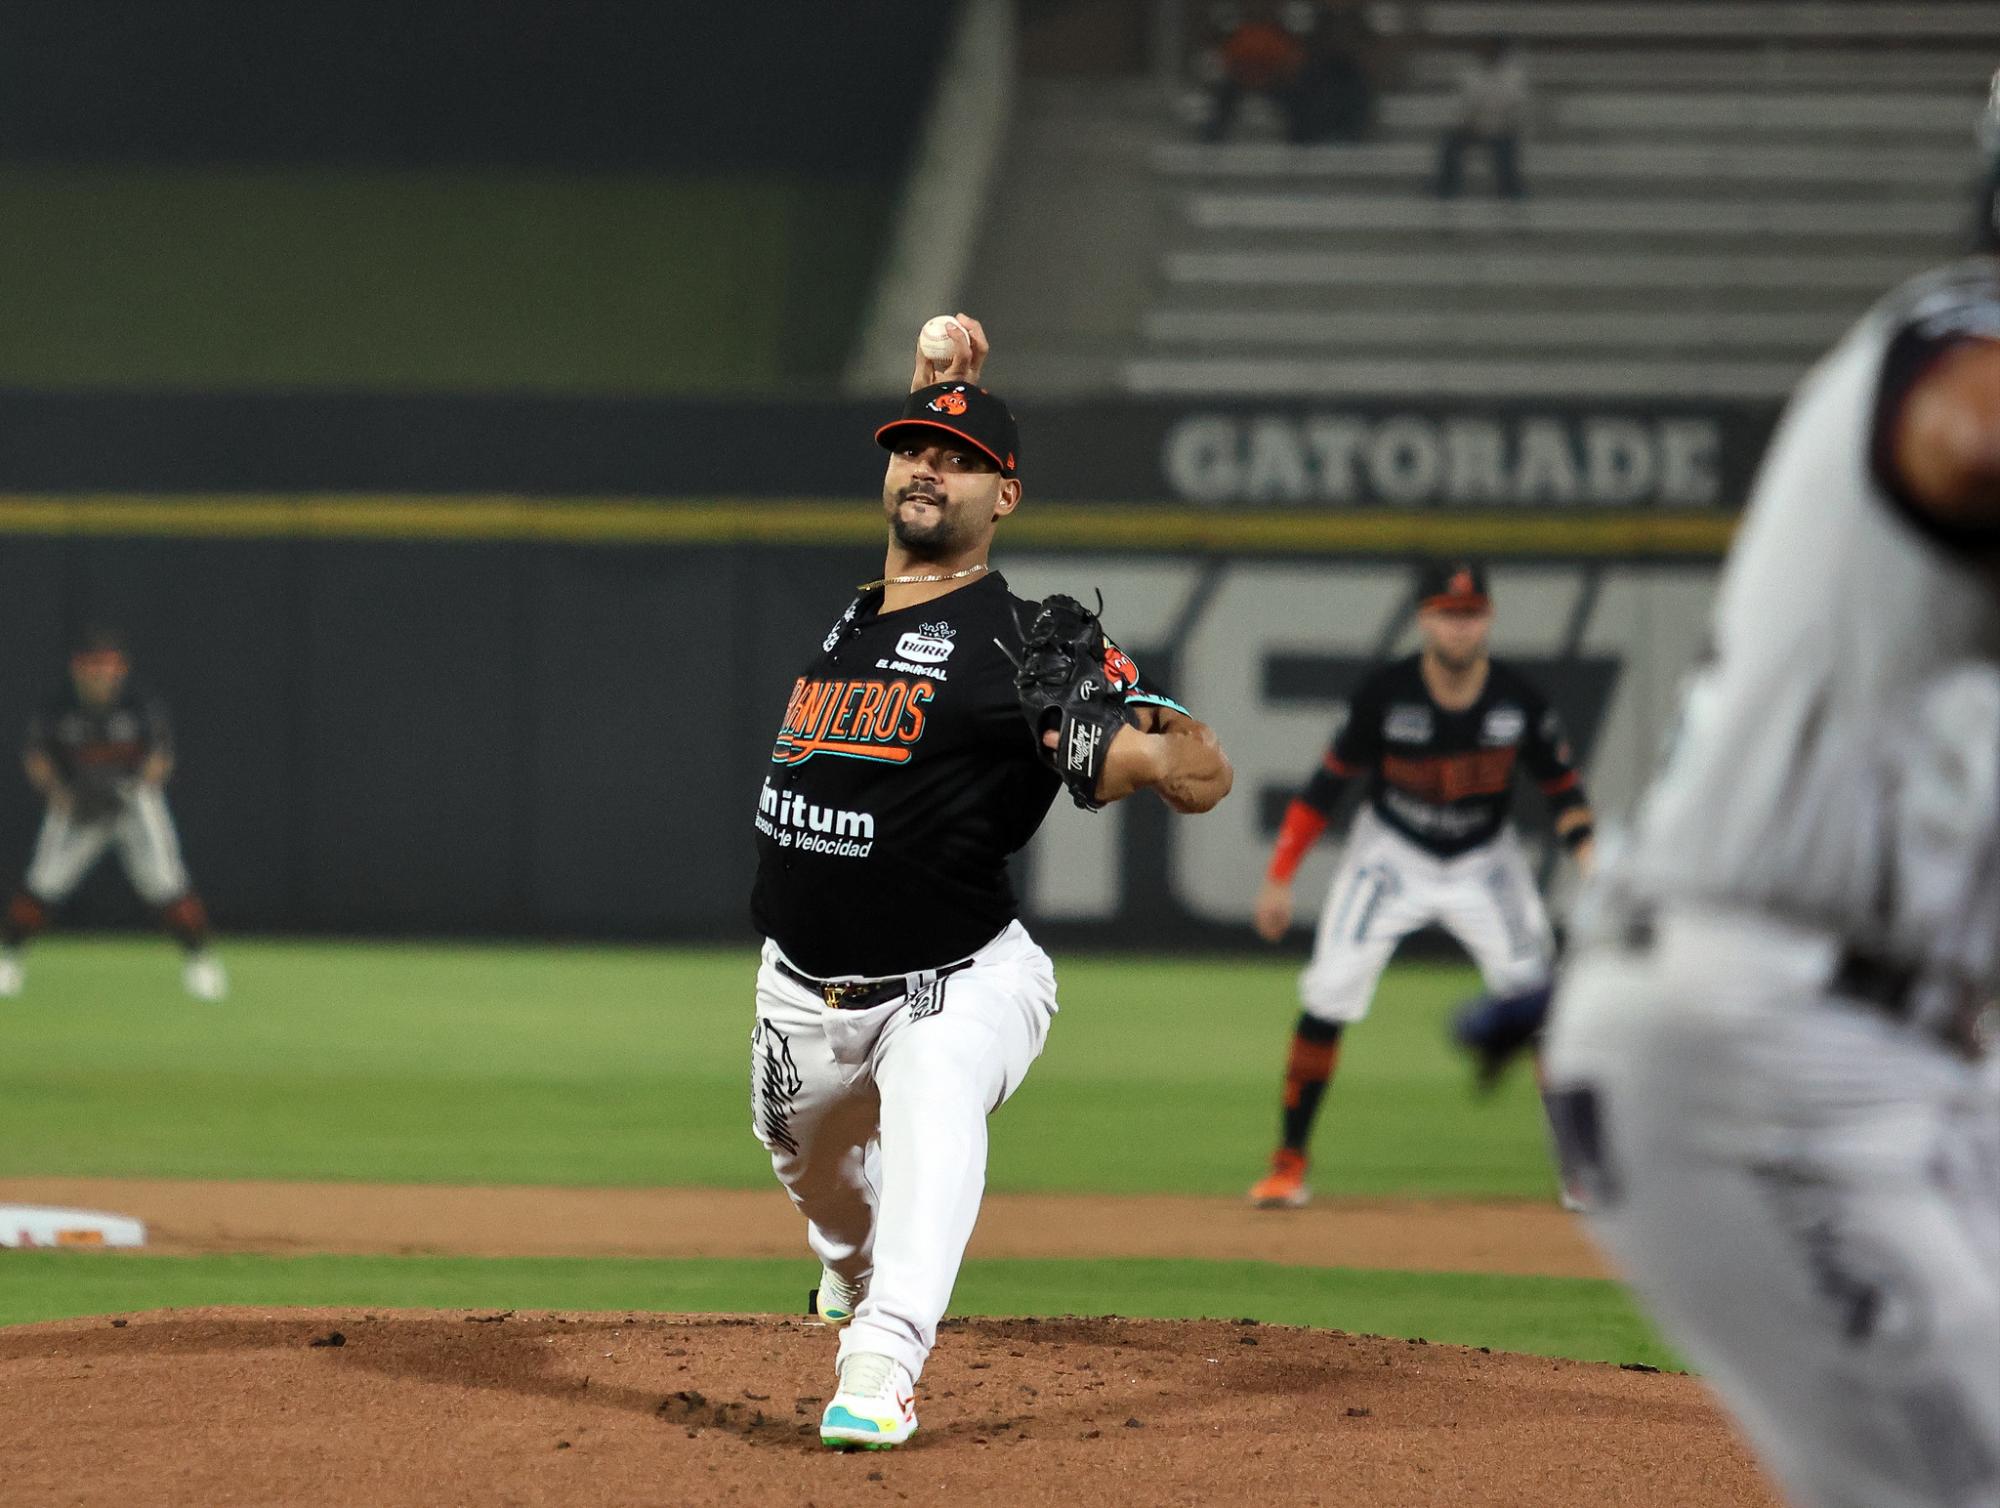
(1248,56)
(1334,99)
(1493,109)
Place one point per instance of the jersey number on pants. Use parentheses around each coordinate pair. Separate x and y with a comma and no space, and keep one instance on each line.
(1372,885)
(1521,939)
(774,1083)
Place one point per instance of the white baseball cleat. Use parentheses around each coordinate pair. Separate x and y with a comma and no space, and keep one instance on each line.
(835,1300)
(875,1408)
(203,977)
(12,975)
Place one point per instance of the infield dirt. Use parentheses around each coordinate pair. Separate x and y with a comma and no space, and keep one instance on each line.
(203,1407)
(1517,1237)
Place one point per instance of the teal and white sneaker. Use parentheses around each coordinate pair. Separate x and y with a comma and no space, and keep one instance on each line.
(875,1408)
(203,977)
(834,1301)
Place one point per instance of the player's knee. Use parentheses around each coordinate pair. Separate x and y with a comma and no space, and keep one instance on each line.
(1333,998)
(779,1140)
(1519,976)
(943,1084)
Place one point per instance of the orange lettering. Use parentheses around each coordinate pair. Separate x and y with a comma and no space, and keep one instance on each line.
(1452,777)
(792,707)
(864,715)
(810,700)
(844,714)
(889,712)
(828,708)
(913,714)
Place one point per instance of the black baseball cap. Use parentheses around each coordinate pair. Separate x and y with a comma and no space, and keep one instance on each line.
(961,409)
(1453,586)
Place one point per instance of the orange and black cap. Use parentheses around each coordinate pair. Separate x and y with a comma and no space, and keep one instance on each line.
(962,410)
(1453,586)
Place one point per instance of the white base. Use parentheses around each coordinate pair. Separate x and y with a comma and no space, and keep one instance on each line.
(24,1225)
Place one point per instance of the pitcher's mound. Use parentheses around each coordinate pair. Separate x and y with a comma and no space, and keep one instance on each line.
(390,1408)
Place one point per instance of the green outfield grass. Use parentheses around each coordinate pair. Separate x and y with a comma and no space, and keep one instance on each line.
(608,1066)
(1574,1317)
(626,1066)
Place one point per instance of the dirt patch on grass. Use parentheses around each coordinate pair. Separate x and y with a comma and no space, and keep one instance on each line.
(311,1407)
(1527,1238)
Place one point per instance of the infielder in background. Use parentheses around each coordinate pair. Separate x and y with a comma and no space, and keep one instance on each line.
(1771,1059)
(1435,739)
(99,755)
(900,1001)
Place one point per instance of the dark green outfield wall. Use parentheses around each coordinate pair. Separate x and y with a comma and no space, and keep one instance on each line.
(439,737)
(641,196)
(470,280)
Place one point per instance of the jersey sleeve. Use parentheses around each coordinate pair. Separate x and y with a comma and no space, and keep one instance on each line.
(1948,318)
(1140,690)
(1357,748)
(159,730)
(1550,759)
(1354,750)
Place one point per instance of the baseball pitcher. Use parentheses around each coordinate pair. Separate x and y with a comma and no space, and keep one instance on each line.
(900,1001)
(1436,739)
(1770,1059)
(100,754)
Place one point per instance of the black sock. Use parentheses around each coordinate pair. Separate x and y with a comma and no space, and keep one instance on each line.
(1308,1069)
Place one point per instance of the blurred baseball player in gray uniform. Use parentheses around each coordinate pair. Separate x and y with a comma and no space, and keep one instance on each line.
(1771,1064)
(99,755)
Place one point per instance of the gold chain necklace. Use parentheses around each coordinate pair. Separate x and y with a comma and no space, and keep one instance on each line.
(971,570)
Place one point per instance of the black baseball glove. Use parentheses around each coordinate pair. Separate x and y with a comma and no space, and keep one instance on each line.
(1073,680)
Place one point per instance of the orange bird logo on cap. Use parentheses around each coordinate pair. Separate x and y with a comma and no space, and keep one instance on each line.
(952,402)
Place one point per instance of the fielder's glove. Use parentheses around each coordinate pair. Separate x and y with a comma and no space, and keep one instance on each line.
(1073,680)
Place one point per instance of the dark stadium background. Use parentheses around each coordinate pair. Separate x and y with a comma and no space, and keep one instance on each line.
(453,404)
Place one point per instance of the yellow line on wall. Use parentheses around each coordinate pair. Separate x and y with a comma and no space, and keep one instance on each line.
(613,521)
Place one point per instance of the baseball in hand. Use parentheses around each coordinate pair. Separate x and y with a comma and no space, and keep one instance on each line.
(936,342)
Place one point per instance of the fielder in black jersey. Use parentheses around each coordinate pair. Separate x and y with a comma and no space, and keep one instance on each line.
(1437,742)
(900,1001)
(100,754)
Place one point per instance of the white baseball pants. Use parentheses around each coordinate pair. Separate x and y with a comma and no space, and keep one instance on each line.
(142,832)
(1387,888)
(1805,1192)
(876,1125)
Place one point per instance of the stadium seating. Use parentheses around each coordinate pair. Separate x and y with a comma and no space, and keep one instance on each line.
(1715,190)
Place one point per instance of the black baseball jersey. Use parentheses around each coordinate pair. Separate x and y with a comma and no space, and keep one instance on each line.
(903,776)
(99,751)
(1445,779)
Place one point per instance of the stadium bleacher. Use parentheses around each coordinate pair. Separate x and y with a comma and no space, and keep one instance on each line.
(1715,191)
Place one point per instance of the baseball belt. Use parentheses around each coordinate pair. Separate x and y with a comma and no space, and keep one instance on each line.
(864,994)
(1943,1004)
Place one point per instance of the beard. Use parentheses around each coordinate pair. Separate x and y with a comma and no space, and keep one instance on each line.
(939,537)
(1459,661)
